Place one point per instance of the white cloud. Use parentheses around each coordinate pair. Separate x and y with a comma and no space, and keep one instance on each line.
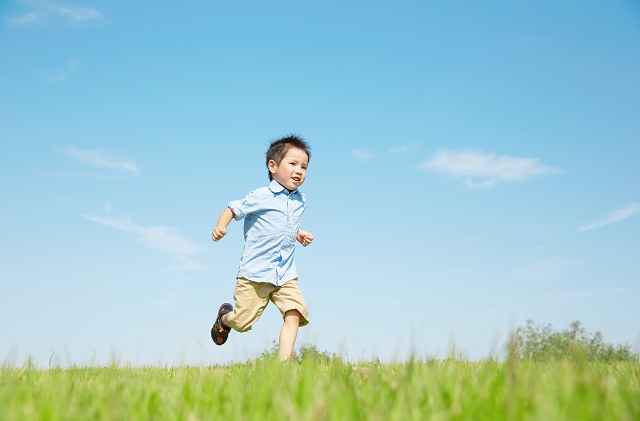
(615,216)
(163,239)
(394,150)
(27,18)
(481,170)
(362,155)
(70,69)
(42,10)
(184,263)
(76,14)
(102,159)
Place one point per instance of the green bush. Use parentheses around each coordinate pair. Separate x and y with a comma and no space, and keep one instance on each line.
(306,352)
(542,343)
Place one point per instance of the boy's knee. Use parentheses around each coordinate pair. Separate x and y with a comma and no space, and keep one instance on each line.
(238,325)
(293,315)
(245,327)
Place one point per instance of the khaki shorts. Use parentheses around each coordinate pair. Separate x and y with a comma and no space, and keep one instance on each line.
(253,297)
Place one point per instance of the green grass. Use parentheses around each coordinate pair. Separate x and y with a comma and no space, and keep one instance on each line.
(324,388)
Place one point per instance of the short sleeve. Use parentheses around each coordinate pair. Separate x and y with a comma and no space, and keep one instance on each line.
(243,207)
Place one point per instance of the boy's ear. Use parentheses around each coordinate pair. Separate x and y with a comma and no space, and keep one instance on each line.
(272,165)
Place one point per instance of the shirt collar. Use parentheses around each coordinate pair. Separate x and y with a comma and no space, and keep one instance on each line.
(276,187)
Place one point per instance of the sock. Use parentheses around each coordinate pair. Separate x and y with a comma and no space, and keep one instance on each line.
(224,326)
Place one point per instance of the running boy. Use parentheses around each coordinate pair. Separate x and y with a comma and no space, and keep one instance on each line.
(267,266)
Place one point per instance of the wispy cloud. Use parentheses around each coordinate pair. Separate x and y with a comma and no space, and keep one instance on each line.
(102,159)
(163,239)
(482,170)
(362,155)
(76,14)
(400,149)
(365,155)
(41,10)
(616,216)
(69,69)
(28,18)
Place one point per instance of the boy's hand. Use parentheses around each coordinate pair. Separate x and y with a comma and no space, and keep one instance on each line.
(305,238)
(218,232)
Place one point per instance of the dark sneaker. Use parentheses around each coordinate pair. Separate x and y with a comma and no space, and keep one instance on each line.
(220,332)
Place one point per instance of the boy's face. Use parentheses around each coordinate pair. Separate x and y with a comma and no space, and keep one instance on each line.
(292,170)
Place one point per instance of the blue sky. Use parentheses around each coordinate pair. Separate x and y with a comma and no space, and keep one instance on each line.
(474,165)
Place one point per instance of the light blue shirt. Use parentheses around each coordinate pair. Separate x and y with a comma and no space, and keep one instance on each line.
(271,222)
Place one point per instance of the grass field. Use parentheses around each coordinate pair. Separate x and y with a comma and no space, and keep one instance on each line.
(326,388)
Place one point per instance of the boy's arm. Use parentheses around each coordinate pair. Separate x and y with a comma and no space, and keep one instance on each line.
(223,221)
(304,237)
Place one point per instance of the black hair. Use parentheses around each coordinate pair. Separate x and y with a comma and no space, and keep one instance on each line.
(279,148)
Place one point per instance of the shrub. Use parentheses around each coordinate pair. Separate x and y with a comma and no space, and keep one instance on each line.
(542,343)
(306,352)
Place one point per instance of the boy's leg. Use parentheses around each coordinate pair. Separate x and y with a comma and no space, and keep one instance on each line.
(293,307)
(251,299)
(288,334)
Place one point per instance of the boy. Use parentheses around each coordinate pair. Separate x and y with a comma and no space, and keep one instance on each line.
(267,266)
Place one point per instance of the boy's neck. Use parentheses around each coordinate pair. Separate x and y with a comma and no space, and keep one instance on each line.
(280,184)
